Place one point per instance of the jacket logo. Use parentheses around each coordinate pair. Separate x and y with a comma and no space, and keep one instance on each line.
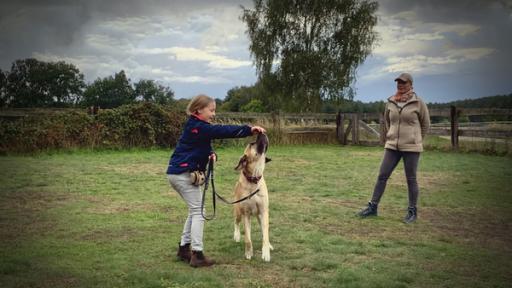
(184,165)
(195,131)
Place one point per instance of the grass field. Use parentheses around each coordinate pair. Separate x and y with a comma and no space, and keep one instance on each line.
(110,219)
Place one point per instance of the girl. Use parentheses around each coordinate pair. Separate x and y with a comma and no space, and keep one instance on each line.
(191,156)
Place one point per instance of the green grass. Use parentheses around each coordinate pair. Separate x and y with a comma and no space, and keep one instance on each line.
(110,219)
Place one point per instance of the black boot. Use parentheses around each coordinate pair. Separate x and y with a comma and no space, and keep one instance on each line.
(371,210)
(184,253)
(412,214)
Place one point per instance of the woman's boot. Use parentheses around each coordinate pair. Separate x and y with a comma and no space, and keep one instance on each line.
(412,214)
(371,210)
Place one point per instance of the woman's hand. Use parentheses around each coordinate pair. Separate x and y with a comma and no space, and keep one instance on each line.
(258,129)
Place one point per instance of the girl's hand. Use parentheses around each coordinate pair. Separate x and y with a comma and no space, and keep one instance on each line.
(213,157)
(258,129)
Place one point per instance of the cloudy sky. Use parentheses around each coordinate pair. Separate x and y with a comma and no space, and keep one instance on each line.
(454,49)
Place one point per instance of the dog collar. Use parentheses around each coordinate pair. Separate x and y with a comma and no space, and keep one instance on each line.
(252,179)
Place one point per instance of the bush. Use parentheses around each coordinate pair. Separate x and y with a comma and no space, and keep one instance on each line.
(140,125)
(137,125)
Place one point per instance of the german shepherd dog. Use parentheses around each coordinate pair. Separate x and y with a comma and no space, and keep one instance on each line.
(251,167)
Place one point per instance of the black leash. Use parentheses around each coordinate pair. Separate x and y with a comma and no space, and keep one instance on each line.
(210,176)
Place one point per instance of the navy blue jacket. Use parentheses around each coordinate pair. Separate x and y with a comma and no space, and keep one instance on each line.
(194,146)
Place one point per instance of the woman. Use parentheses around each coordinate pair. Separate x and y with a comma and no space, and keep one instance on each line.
(190,159)
(407,121)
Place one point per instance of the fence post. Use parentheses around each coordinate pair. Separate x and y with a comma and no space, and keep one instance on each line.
(276,125)
(355,129)
(383,130)
(340,128)
(454,121)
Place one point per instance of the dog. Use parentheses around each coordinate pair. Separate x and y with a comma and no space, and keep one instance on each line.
(251,166)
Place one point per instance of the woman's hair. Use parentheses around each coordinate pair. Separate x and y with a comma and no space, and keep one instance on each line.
(198,102)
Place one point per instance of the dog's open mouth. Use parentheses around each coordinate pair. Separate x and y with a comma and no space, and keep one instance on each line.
(261,143)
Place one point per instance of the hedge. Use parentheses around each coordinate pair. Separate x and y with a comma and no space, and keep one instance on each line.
(137,125)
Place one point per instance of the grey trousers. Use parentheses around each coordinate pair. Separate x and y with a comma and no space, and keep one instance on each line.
(389,162)
(191,194)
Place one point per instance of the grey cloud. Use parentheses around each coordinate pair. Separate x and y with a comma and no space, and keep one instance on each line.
(446,11)
(54,26)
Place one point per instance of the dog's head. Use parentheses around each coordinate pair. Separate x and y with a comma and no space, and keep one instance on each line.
(254,158)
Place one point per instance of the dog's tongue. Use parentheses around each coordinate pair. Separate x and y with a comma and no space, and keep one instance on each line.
(262,142)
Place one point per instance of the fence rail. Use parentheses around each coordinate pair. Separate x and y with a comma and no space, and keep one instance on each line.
(347,127)
(350,124)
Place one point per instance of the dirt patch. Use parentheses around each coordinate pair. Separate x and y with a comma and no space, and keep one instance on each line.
(352,204)
(108,235)
(482,227)
(426,180)
(298,161)
(23,214)
(366,154)
(133,169)
(104,205)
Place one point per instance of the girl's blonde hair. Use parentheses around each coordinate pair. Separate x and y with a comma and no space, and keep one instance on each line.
(198,102)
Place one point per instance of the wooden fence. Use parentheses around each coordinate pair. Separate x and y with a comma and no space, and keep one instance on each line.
(348,126)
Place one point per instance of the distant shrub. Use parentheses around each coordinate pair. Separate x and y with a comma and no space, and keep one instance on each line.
(140,125)
(136,125)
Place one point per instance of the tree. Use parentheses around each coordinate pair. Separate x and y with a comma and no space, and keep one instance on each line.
(150,91)
(3,88)
(237,97)
(254,105)
(110,92)
(34,83)
(67,83)
(311,48)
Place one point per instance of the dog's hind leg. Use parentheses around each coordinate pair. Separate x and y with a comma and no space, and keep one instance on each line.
(247,237)
(266,247)
(238,218)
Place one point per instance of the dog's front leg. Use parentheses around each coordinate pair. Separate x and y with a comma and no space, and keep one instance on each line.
(266,247)
(247,237)
(238,219)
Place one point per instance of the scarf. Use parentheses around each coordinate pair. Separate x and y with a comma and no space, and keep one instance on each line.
(398,97)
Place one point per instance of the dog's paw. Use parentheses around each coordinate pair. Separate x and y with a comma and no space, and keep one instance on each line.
(248,255)
(236,236)
(265,255)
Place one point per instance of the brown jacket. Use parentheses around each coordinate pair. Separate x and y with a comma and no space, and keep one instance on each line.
(407,126)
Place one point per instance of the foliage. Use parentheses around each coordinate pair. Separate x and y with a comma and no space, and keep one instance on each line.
(110,92)
(254,105)
(54,131)
(498,101)
(136,125)
(494,102)
(238,97)
(351,106)
(140,125)
(34,83)
(318,45)
(181,104)
(150,91)
(3,88)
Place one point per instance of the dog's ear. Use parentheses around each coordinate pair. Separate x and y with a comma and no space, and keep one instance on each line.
(242,163)
(267,159)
